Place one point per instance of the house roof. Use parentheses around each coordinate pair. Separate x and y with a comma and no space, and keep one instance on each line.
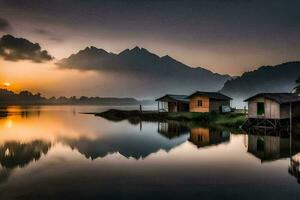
(211,95)
(174,98)
(280,98)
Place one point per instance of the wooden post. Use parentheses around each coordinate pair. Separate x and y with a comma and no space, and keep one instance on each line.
(141,108)
(141,125)
(291,120)
(158,106)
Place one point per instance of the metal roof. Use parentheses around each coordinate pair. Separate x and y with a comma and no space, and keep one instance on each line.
(211,95)
(174,97)
(280,98)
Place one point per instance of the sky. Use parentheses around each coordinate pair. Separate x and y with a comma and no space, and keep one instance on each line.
(224,36)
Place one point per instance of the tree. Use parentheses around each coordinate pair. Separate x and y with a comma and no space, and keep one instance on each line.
(297,88)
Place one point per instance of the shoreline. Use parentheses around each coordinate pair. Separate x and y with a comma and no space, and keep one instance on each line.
(229,120)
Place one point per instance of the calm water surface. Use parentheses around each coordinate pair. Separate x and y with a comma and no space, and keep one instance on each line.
(55,152)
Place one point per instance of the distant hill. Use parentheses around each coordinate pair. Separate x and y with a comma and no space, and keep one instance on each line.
(25,98)
(138,72)
(279,78)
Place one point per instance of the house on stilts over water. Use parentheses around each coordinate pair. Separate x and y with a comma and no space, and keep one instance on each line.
(272,110)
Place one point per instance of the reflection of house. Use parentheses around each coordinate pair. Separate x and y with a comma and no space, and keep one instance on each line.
(172,129)
(173,103)
(204,137)
(196,102)
(268,148)
(294,169)
(273,105)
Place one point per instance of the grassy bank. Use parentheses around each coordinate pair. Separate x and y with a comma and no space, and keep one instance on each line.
(228,119)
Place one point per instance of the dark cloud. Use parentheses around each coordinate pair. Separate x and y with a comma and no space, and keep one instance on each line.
(15,49)
(4,25)
(50,35)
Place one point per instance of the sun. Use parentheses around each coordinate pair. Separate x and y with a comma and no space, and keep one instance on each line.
(7,84)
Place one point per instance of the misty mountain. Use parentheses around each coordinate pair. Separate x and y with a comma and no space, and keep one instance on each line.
(27,98)
(279,78)
(138,72)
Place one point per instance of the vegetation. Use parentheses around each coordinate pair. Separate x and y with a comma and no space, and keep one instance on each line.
(233,120)
(297,88)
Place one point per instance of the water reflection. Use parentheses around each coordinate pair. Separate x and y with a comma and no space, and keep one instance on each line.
(268,148)
(202,137)
(23,111)
(58,154)
(128,145)
(294,168)
(15,154)
(172,129)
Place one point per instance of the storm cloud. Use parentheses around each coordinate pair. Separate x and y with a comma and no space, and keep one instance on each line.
(4,25)
(15,49)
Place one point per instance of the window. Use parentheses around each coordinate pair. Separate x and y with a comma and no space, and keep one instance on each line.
(260,108)
(200,103)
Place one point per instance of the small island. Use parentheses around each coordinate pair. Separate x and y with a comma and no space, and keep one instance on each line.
(230,120)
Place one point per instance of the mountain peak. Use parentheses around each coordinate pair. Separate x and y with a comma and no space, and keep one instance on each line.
(136,48)
(137,51)
(94,50)
(167,57)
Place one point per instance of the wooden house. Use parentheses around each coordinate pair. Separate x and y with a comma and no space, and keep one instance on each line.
(173,103)
(196,102)
(208,101)
(273,105)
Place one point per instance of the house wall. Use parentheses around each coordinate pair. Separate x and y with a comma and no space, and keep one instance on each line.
(216,104)
(285,111)
(172,107)
(296,109)
(272,108)
(194,104)
(183,107)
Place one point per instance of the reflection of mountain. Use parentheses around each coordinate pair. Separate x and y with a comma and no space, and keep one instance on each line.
(15,154)
(202,137)
(134,145)
(152,74)
(172,129)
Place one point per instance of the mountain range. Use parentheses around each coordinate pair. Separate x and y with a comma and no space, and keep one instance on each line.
(140,73)
(278,78)
(8,97)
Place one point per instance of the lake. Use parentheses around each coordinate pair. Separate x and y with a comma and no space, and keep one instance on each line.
(55,152)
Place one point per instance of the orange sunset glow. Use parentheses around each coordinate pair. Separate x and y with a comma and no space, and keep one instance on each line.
(149,99)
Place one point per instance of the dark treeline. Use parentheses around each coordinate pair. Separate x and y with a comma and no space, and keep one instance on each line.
(25,97)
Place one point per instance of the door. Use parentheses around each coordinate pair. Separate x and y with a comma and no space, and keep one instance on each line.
(261,108)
